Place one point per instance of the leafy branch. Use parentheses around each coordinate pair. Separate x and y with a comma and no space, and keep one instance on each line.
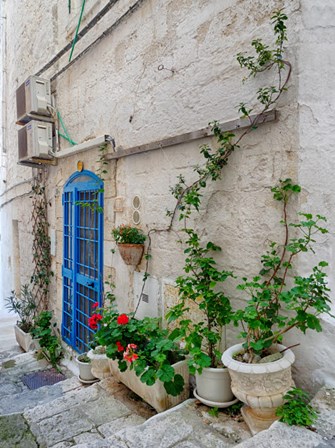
(269,292)
(189,196)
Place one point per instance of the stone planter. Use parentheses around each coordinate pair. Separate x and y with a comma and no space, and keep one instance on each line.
(85,372)
(260,386)
(214,387)
(99,365)
(155,395)
(131,253)
(25,340)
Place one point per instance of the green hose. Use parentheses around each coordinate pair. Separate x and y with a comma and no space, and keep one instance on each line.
(66,134)
(77,29)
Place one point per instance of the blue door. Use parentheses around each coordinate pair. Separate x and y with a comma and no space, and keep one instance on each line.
(82,256)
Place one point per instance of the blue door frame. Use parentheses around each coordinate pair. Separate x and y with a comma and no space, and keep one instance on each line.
(82,256)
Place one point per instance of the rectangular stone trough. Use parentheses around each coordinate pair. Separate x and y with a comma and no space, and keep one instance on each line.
(155,395)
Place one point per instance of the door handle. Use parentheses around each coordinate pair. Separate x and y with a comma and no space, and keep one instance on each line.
(90,284)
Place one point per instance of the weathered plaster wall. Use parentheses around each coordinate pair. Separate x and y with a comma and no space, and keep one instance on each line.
(316,108)
(116,88)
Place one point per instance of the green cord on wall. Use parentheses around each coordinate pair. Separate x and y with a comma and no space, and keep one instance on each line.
(66,134)
(77,29)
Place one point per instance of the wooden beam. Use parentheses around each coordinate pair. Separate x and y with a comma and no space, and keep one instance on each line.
(231,125)
(36,162)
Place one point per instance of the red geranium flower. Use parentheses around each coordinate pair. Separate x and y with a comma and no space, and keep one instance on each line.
(93,321)
(95,305)
(120,347)
(123,319)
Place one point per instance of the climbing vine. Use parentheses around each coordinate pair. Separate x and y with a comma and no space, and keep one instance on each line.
(42,272)
(189,196)
(264,59)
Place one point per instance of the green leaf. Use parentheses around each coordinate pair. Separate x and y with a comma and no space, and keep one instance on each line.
(176,386)
(165,373)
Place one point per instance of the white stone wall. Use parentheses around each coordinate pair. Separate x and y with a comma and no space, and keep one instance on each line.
(117,89)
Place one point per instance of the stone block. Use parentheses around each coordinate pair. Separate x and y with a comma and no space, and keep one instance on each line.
(61,427)
(14,431)
(110,428)
(324,402)
(280,435)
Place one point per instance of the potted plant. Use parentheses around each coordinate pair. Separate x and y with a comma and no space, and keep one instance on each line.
(24,306)
(85,369)
(46,340)
(130,242)
(143,357)
(199,289)
(99,362)
(260,367)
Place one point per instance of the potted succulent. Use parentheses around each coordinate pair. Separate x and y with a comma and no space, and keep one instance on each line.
(260,367)
(143,357)
(85,369)
(24,306)
(130,242)
(200,289)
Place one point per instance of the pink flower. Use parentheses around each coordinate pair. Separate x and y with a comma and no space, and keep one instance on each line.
(123,319)
(129,354)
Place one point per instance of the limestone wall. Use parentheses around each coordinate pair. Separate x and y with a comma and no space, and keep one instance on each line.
(117,89)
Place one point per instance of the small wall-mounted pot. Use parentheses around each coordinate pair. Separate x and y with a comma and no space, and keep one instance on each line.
(131,253)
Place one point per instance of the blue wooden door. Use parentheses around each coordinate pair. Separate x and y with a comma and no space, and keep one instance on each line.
(82,256)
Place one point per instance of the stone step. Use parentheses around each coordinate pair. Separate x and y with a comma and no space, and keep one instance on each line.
(324,403)
(86,416)
(187,425)
(280,435)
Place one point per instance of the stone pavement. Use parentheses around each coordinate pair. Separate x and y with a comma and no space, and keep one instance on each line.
(107,414)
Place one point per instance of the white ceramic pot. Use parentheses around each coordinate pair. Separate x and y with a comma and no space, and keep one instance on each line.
(260,386)
(213,386)
(156,394)
(85,371)
(99,365)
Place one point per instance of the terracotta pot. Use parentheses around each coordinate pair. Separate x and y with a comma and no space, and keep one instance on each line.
(213,386)
(131,253)
(100,365)
(156,394)
(260,386)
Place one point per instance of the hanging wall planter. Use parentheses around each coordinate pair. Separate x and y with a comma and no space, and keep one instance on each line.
(131,253)
(130,242)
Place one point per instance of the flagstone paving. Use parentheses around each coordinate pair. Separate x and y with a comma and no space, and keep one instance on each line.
(107,414)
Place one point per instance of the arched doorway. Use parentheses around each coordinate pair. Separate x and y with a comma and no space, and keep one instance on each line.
(82,256)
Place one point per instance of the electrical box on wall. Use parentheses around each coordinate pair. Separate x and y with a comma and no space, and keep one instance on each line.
(35,142)
(32,100)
